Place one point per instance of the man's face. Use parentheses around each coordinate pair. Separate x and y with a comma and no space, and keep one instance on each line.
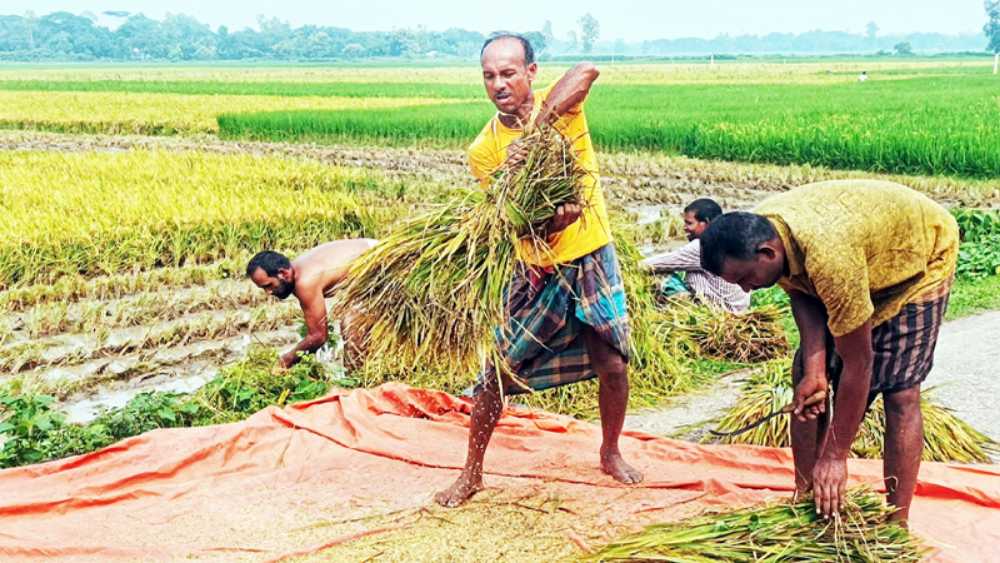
(279,286)
(506,78)
(692,226)
(764,270)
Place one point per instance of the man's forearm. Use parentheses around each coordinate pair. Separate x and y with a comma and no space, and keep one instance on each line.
(848,410)
(852,393)
(568,92)
(679,260)
(308,345)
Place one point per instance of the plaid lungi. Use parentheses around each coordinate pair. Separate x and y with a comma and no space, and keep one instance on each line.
(903,347)
(541,337)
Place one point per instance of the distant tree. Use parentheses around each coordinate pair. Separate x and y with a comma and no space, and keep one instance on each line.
(141,38)
(871,30)
(992,30)
(903,48)
(590,30)
(572,40)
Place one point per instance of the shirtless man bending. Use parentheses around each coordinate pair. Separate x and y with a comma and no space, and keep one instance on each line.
(312,277)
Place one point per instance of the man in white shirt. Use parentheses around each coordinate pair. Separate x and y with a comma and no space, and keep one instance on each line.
(703,285)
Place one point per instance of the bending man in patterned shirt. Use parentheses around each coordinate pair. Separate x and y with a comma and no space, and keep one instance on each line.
(704,286)
(868,266)
(566,319)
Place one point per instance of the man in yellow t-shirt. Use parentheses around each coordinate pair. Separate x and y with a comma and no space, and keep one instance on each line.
(868,266)
(566,318)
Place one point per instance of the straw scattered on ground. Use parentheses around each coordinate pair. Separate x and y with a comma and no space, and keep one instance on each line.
(775,532)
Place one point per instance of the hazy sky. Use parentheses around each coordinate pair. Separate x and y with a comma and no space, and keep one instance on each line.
(631,20)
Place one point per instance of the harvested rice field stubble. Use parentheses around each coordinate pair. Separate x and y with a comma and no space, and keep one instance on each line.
(923,125)
(140,112)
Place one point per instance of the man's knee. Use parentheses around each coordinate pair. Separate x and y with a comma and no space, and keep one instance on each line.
(612,370)
(902,402)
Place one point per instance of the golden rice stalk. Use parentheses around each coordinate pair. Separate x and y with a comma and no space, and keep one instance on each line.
(779,531)
(750,337)
(432,290)
(946,437)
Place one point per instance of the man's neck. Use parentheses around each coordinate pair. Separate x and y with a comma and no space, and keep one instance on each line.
(521,117)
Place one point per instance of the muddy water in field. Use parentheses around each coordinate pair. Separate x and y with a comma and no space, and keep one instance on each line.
(183,369)
(96,354)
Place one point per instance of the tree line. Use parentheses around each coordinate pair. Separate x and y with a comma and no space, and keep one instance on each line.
(178,37)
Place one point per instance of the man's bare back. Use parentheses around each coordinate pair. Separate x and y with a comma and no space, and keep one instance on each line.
(322,268)
(311,277)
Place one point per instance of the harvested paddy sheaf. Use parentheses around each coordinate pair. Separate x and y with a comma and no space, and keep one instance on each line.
(157,114)
(433,288)
(753,336)
(660,366)
(946,437)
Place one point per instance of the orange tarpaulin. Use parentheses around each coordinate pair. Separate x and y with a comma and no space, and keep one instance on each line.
(242,490)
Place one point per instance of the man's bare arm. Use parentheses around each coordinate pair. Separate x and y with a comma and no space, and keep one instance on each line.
(568,92)
(855,348)
(830,473)
(810,317)
(314,310)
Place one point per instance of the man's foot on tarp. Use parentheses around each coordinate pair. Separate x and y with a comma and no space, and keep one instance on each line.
(615,466)
(460,491)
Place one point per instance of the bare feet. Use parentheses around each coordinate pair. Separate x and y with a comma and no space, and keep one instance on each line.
(615,466)
(460,491)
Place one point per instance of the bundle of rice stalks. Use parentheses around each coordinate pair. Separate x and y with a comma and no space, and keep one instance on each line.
(433,288)
(775,532)
(946,437)
(753,336)
(656,369)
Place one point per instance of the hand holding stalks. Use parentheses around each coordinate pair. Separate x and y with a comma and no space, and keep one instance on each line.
(565,215)
(810,398)
(829,485)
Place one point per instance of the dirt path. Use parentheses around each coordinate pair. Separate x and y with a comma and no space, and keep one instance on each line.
(965,373)
(966,369)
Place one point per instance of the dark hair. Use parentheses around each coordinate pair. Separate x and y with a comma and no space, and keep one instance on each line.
(269,261)
(529,52)
(704,209)
(737,234)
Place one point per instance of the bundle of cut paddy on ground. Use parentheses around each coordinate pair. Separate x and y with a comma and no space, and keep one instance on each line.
(775,532)
(749,337)
(432,290)
(946,437)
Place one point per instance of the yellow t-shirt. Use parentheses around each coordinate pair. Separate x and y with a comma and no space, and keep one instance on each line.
(592,231)
(865,248)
